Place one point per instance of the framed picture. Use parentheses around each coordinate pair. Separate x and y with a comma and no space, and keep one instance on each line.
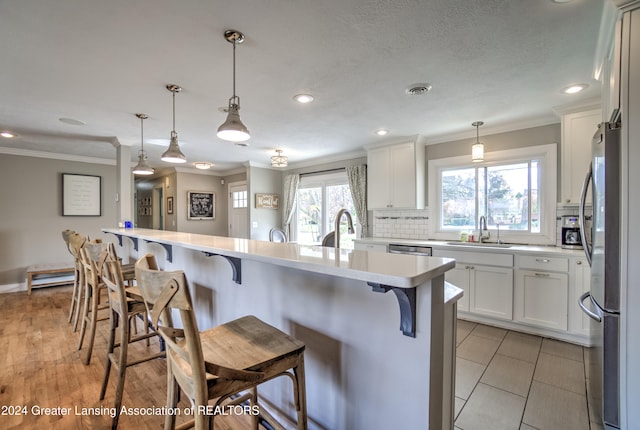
(170,205)
(201,205)
(81,195)
(268,201)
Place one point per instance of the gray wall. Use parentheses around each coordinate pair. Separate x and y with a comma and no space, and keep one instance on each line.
(196,182)
(31,218)
(499,142)
(266,181)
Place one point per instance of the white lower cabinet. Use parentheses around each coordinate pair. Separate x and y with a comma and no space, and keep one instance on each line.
(488,289)
(579,322)
(491,291)
(541,298)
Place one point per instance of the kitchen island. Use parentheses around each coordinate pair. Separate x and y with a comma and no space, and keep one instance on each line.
(362,371)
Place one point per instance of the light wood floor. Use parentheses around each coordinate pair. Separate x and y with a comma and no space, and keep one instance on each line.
(41,368)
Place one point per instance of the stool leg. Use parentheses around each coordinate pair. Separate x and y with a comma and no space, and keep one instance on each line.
(121,367)
(95,301)
(80,294)
(172,398)
(301,393)
(112,340)
(85,315)
(73,295)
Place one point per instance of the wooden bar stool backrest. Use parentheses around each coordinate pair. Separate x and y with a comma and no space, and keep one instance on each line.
(91,253)
(163,292)
(111,274)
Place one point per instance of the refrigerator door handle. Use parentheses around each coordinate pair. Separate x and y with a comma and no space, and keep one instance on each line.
(588,250)
(586,310)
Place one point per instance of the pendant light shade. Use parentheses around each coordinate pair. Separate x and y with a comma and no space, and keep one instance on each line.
(477,149)
(142,168)
(233,129)
(279,160)
(173,153)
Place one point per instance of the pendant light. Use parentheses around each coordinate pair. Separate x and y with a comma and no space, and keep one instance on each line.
(477,149)
(142,168)
(279,160)
(173,153)
(233,129)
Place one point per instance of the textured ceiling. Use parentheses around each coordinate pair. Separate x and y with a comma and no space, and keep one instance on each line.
(499,61)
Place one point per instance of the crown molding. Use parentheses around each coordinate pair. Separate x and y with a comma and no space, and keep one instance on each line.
(56,156)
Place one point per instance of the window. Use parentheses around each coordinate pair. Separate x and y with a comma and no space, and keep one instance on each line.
(319,199)
(239,199)
(514,190)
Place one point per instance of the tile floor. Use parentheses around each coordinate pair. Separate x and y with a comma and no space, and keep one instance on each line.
(515,381)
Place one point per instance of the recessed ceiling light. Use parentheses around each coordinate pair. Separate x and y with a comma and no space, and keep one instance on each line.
(562,1)
(7,134)
(303,98)
(382,132)
(203,165)
(576,88)
(72,121)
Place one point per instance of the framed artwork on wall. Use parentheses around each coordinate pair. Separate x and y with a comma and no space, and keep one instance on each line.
(170,205)
(81,195)
(201,205)
(268,201)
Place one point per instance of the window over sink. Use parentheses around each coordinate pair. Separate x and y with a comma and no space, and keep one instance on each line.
(515,190)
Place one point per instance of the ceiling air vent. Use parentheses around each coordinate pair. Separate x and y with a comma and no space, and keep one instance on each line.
(418,89)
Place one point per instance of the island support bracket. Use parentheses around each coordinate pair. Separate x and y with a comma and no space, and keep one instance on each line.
(407,301)
(236,265)
(167,247)
(133,239)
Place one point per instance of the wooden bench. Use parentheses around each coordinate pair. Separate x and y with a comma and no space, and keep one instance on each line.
(55,272)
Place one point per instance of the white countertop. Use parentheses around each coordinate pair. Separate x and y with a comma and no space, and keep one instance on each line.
(398,270)
(480,248)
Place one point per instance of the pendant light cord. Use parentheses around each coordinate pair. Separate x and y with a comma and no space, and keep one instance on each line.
(141,135)
(234,98)
(174,111)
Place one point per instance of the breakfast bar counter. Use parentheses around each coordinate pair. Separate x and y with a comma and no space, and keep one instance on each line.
(373,360)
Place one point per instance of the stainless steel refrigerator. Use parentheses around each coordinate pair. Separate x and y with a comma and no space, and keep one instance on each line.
(602,303)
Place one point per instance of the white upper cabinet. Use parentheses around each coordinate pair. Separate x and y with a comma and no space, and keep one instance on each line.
(578,129)
(396,176)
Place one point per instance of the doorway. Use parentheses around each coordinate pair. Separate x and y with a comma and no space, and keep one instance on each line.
(238,208)
(158,219)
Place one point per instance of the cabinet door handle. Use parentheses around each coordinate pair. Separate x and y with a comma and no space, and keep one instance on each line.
(543,260)
(546,275)
(579,262)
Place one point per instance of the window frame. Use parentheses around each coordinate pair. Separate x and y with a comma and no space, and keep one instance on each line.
(322,180)
(546,155)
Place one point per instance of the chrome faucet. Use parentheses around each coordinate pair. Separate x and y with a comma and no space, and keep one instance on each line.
(484,232)
(350,229)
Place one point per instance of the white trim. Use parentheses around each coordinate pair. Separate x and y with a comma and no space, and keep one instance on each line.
(56,156)
(547,154)
(13,288)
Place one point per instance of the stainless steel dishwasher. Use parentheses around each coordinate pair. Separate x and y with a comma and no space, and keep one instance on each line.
(409,249)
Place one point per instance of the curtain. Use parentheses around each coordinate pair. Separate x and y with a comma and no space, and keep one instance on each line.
(291,183)
(358,184)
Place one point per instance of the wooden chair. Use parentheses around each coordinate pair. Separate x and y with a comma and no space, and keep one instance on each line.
(93,287)
(75,242)
(124,305)
(220,362)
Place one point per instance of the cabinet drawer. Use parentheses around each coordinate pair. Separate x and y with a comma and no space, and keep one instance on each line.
(378,247)
(537,262)
(480,257)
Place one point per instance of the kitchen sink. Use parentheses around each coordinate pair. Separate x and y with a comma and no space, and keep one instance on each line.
(480,244)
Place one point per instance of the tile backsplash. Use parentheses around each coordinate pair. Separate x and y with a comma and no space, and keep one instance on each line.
(401,224)
(414,223)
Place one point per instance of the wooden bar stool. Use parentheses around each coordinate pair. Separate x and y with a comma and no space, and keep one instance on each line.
(124,305)
(75,242)
(93,287)
(220,362)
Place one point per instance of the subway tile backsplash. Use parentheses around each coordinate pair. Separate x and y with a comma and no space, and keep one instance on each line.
(414,223)
(401,224)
